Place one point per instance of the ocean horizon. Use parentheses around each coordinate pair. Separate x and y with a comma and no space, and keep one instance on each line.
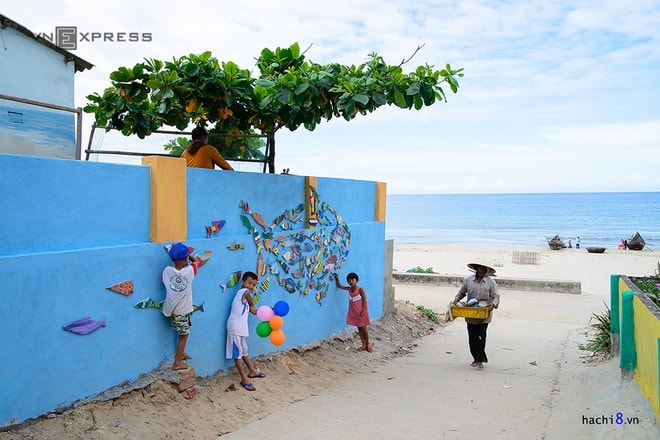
(599,219)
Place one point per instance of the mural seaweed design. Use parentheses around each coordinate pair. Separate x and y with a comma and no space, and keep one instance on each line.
(299,259)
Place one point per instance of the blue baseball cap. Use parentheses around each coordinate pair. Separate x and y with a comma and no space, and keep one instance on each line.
(179,251)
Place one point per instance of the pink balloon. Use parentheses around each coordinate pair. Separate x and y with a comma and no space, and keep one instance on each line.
(265,313)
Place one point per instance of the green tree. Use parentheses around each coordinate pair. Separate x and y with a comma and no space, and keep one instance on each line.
(290,92)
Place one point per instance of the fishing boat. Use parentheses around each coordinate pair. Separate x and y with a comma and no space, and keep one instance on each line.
(595,250)
(555,243)
(636,243)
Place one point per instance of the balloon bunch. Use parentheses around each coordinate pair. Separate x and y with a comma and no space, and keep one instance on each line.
(272,322)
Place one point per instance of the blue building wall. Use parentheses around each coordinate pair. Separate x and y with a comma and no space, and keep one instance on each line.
(70,229)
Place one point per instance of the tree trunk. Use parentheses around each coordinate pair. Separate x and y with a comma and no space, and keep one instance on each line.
(270,140)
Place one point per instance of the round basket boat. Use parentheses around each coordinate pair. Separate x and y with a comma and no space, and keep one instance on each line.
(595,250)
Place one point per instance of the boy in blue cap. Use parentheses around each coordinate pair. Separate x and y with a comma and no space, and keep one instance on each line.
(178,304)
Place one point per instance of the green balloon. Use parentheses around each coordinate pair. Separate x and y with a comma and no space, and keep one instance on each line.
(263,329)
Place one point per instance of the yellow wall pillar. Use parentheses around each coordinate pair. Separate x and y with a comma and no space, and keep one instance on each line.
(381,202)
(169,213)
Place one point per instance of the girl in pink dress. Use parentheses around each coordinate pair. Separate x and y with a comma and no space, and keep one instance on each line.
(358,311)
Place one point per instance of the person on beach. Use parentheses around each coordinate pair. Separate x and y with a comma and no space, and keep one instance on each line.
(483,288)
(358,310)
(200,154)
(237,330)
(577,243)
(178,304)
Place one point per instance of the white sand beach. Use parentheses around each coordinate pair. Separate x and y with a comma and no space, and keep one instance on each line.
(592,270)
(417,382)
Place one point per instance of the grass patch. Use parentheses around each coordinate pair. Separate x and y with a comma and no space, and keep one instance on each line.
(430,314)
(419,269)
(599,344)
(650,285)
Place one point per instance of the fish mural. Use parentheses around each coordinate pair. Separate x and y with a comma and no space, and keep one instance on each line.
(215,228)
(149,303)
(85,325)
(233,246)
(234,278)
(125,287)
(299,258)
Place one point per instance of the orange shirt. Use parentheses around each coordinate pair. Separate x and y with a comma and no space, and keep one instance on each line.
(206,157)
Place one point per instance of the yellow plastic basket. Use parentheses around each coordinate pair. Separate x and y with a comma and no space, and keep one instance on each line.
(470,312)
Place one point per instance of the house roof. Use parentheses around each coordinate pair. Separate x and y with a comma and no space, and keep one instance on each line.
(68,56)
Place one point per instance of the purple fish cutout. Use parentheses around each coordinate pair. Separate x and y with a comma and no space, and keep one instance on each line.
(85,325)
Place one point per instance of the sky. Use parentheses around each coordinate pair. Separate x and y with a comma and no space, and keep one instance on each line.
(557,96)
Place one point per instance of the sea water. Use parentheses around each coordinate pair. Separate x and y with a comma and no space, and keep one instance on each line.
(523,220)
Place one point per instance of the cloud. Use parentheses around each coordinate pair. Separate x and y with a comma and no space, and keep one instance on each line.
(556,96)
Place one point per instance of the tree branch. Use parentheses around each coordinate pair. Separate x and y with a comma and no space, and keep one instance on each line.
(404,61)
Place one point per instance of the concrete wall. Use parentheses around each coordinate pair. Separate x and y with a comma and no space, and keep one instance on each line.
(636,323)
(31,70)
(506,283)
(69,230)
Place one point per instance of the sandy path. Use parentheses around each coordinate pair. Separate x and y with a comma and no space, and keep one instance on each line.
(536,385)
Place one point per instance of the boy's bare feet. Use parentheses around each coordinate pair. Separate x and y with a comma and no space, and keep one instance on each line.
(180,366)
(362,348)
(370,349)
(186,356)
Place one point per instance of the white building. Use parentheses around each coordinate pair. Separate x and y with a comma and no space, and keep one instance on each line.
(36,88)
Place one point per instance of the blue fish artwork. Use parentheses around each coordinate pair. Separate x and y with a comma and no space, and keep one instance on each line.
(300,257)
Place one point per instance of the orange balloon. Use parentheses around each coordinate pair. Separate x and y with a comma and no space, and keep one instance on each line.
(277,337)
(276,322)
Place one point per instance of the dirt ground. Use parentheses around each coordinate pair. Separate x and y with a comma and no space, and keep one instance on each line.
(159,411)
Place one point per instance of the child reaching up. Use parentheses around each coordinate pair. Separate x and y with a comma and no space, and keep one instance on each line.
(178,304)
(237,330)
(358,311)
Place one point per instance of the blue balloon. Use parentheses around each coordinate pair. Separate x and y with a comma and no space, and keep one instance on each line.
(281,308)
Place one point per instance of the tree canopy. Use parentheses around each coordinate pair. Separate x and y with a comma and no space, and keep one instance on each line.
(289,91)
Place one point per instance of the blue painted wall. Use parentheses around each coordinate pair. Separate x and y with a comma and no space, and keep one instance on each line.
(70,229)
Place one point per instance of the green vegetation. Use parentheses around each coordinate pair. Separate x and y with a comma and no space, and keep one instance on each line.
(289,91)
(649,285)
(430,314)
(599,344)
(419,269)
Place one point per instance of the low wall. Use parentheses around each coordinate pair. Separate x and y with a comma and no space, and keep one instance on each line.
(635,326)
(505,283)
(70,229)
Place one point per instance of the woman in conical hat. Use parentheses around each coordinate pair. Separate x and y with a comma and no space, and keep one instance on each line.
(483,288)
(490,272)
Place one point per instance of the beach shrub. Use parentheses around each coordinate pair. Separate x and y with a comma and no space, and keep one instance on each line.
(419,269)
(430,314)
(599,344)
(649,285)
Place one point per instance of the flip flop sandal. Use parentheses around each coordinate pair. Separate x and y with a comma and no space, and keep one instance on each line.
(259,375)
(248,386)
